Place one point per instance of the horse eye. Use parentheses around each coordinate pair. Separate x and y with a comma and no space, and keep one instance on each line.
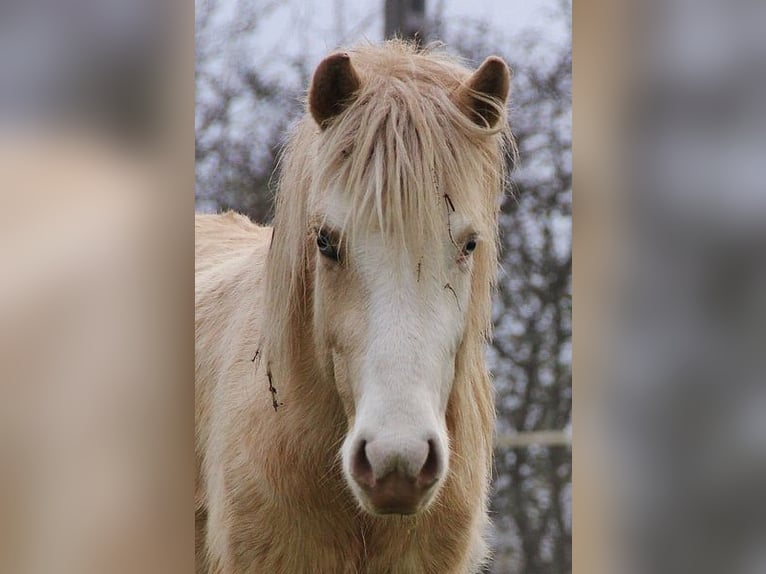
(327,245)
(469,246)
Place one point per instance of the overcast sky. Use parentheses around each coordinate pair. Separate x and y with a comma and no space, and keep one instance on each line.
(308,29)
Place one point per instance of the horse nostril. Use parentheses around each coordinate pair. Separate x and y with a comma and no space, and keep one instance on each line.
(429,473)
(361,468)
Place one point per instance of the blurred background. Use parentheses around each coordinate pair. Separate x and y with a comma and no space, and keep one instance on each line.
(253,63)
(684,359)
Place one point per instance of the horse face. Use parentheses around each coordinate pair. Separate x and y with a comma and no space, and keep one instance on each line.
(388,326)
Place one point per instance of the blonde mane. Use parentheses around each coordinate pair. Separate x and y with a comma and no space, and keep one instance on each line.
(416,158)
(408,157)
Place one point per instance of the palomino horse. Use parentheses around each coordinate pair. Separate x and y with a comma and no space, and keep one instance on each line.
(344,412)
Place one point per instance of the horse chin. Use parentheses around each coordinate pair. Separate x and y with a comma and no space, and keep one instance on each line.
(398,510)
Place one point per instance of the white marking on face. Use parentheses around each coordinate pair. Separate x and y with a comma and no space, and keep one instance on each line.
(392,323)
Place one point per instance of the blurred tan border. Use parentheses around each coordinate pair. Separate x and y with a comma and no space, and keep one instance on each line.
(97,333)
(598,68)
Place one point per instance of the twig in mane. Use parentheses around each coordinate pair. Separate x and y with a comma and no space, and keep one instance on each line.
(420,263)
(448,286)
(273,390)
(451,206)
(449,202)
(435,181)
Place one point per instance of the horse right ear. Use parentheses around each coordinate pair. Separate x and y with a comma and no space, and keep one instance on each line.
(333,88)
(484,95)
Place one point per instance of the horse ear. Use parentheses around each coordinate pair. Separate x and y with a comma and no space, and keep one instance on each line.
(483,96)
(333,88)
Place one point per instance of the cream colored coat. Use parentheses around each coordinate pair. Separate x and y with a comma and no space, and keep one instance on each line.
(270,493)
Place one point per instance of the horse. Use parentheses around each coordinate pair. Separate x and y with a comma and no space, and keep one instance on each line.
(344,411)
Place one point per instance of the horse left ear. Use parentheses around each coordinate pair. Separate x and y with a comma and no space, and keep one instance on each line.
(483,97)
(333,88)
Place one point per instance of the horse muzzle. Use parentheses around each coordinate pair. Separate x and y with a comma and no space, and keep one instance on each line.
(397,475)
